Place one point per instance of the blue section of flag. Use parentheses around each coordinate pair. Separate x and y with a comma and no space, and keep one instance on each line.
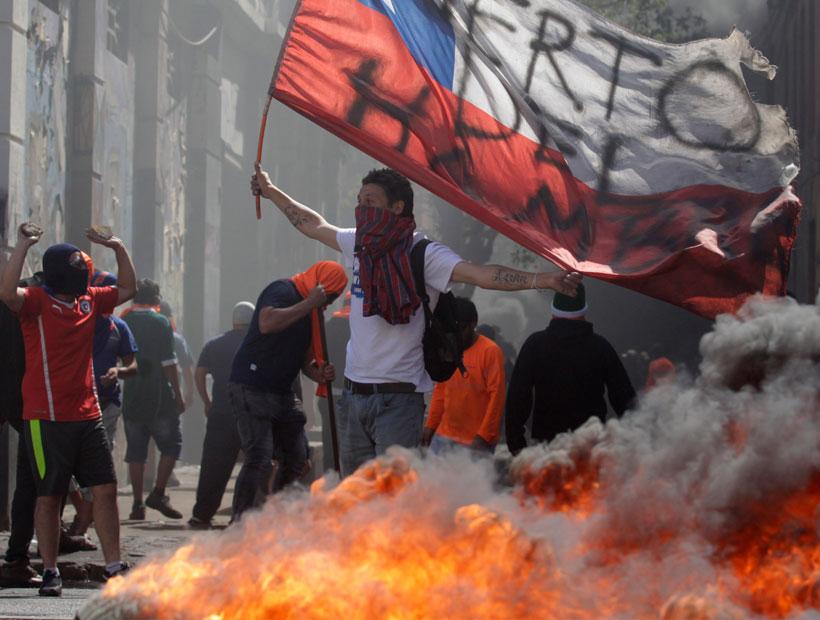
(429,38)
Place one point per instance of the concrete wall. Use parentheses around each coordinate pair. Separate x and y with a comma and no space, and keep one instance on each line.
(13,62)
(150,127)
(792,44)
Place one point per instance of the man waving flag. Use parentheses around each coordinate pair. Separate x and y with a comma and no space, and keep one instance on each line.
(634,161)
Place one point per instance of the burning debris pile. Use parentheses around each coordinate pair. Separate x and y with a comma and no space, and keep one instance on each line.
(700,505)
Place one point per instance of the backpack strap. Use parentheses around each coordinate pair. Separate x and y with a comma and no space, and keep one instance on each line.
(417,267)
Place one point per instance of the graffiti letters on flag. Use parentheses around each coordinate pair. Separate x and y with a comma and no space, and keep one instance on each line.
(631,160)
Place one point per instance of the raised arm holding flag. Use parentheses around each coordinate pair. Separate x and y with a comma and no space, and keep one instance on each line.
(385,379)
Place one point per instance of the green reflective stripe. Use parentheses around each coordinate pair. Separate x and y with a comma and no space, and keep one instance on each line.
(37,446)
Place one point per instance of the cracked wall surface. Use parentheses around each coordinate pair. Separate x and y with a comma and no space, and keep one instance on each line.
(45,139)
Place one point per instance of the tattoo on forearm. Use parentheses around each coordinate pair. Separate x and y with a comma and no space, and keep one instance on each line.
(296,216)
(509,278)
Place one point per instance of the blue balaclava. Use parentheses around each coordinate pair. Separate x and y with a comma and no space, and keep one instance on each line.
(64,277)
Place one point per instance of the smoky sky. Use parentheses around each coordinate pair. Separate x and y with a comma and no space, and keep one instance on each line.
(722,15)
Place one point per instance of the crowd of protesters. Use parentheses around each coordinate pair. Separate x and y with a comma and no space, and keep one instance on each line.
(66,408)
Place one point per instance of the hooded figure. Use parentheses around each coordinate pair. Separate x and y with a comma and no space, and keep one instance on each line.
(333,277)
(283,338)
(562,375)
(66,270)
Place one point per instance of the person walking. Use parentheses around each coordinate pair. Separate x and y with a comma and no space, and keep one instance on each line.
(152,402)
(221,445)
(283,338)
(562,374)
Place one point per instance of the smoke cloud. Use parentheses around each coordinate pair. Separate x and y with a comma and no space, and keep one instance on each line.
(747,15)
(701,503)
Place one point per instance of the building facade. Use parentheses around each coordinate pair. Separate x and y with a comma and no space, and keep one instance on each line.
(791,43)
(144,116)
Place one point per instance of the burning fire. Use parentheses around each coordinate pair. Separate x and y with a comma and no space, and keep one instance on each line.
(700,505)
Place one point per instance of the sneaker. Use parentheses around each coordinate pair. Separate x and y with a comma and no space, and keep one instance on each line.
(52,584)
(122,570)
(19,574)
(163,504)
(196,523)
(137,512)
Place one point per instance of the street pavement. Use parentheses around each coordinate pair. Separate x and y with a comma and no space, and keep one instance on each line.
(139,540)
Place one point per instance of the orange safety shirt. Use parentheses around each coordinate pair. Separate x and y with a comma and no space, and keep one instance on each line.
(463,407)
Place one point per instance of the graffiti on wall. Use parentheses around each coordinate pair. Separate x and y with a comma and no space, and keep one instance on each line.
(171,168)
(46,105)
(117,122)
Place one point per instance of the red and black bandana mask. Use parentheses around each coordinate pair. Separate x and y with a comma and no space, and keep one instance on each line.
(383,243)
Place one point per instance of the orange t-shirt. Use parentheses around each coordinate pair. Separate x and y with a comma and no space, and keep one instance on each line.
(461,407)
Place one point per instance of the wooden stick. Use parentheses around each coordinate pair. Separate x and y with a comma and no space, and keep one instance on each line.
(259,150)
(330,406)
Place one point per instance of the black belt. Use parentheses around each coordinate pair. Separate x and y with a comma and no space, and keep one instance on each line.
(379,388)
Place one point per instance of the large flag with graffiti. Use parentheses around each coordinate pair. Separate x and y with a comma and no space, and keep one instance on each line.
(634,161)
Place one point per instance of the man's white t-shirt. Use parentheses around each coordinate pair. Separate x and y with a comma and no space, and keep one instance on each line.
(378,352)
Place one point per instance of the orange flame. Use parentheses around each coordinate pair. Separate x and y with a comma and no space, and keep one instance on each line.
(386,543)
(776,555)
(389,565)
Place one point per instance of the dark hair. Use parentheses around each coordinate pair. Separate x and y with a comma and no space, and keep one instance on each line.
(395,185)
(147,291)
(165,308)
(488,331)
(466,311)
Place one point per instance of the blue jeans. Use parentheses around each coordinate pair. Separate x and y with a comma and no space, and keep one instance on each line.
(370,423)
(270,426)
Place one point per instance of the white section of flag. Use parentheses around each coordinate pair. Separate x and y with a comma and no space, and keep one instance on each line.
(709,108)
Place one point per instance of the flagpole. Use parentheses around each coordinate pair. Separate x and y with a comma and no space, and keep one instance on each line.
(330,406)
(259,148)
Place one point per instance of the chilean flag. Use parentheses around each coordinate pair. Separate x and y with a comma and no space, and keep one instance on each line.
(642,163)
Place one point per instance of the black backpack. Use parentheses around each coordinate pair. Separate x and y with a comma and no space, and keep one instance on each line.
(443,346)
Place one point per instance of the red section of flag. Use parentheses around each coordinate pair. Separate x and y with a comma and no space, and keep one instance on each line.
(704,248)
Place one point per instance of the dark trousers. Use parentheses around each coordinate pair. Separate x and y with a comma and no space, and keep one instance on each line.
(270,426)
(22,507)
(220,448)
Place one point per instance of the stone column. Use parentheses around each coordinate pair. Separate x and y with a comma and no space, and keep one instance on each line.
(86,87)
(203,198)
(148,27)
(203,217)
(13,50)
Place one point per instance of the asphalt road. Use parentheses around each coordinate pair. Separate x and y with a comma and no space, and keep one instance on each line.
(26,603)
(138,540)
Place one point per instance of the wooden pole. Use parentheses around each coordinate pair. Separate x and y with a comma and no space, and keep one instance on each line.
(330,406)
(259,150)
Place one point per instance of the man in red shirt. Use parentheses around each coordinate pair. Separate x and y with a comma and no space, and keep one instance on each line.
(62,422)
